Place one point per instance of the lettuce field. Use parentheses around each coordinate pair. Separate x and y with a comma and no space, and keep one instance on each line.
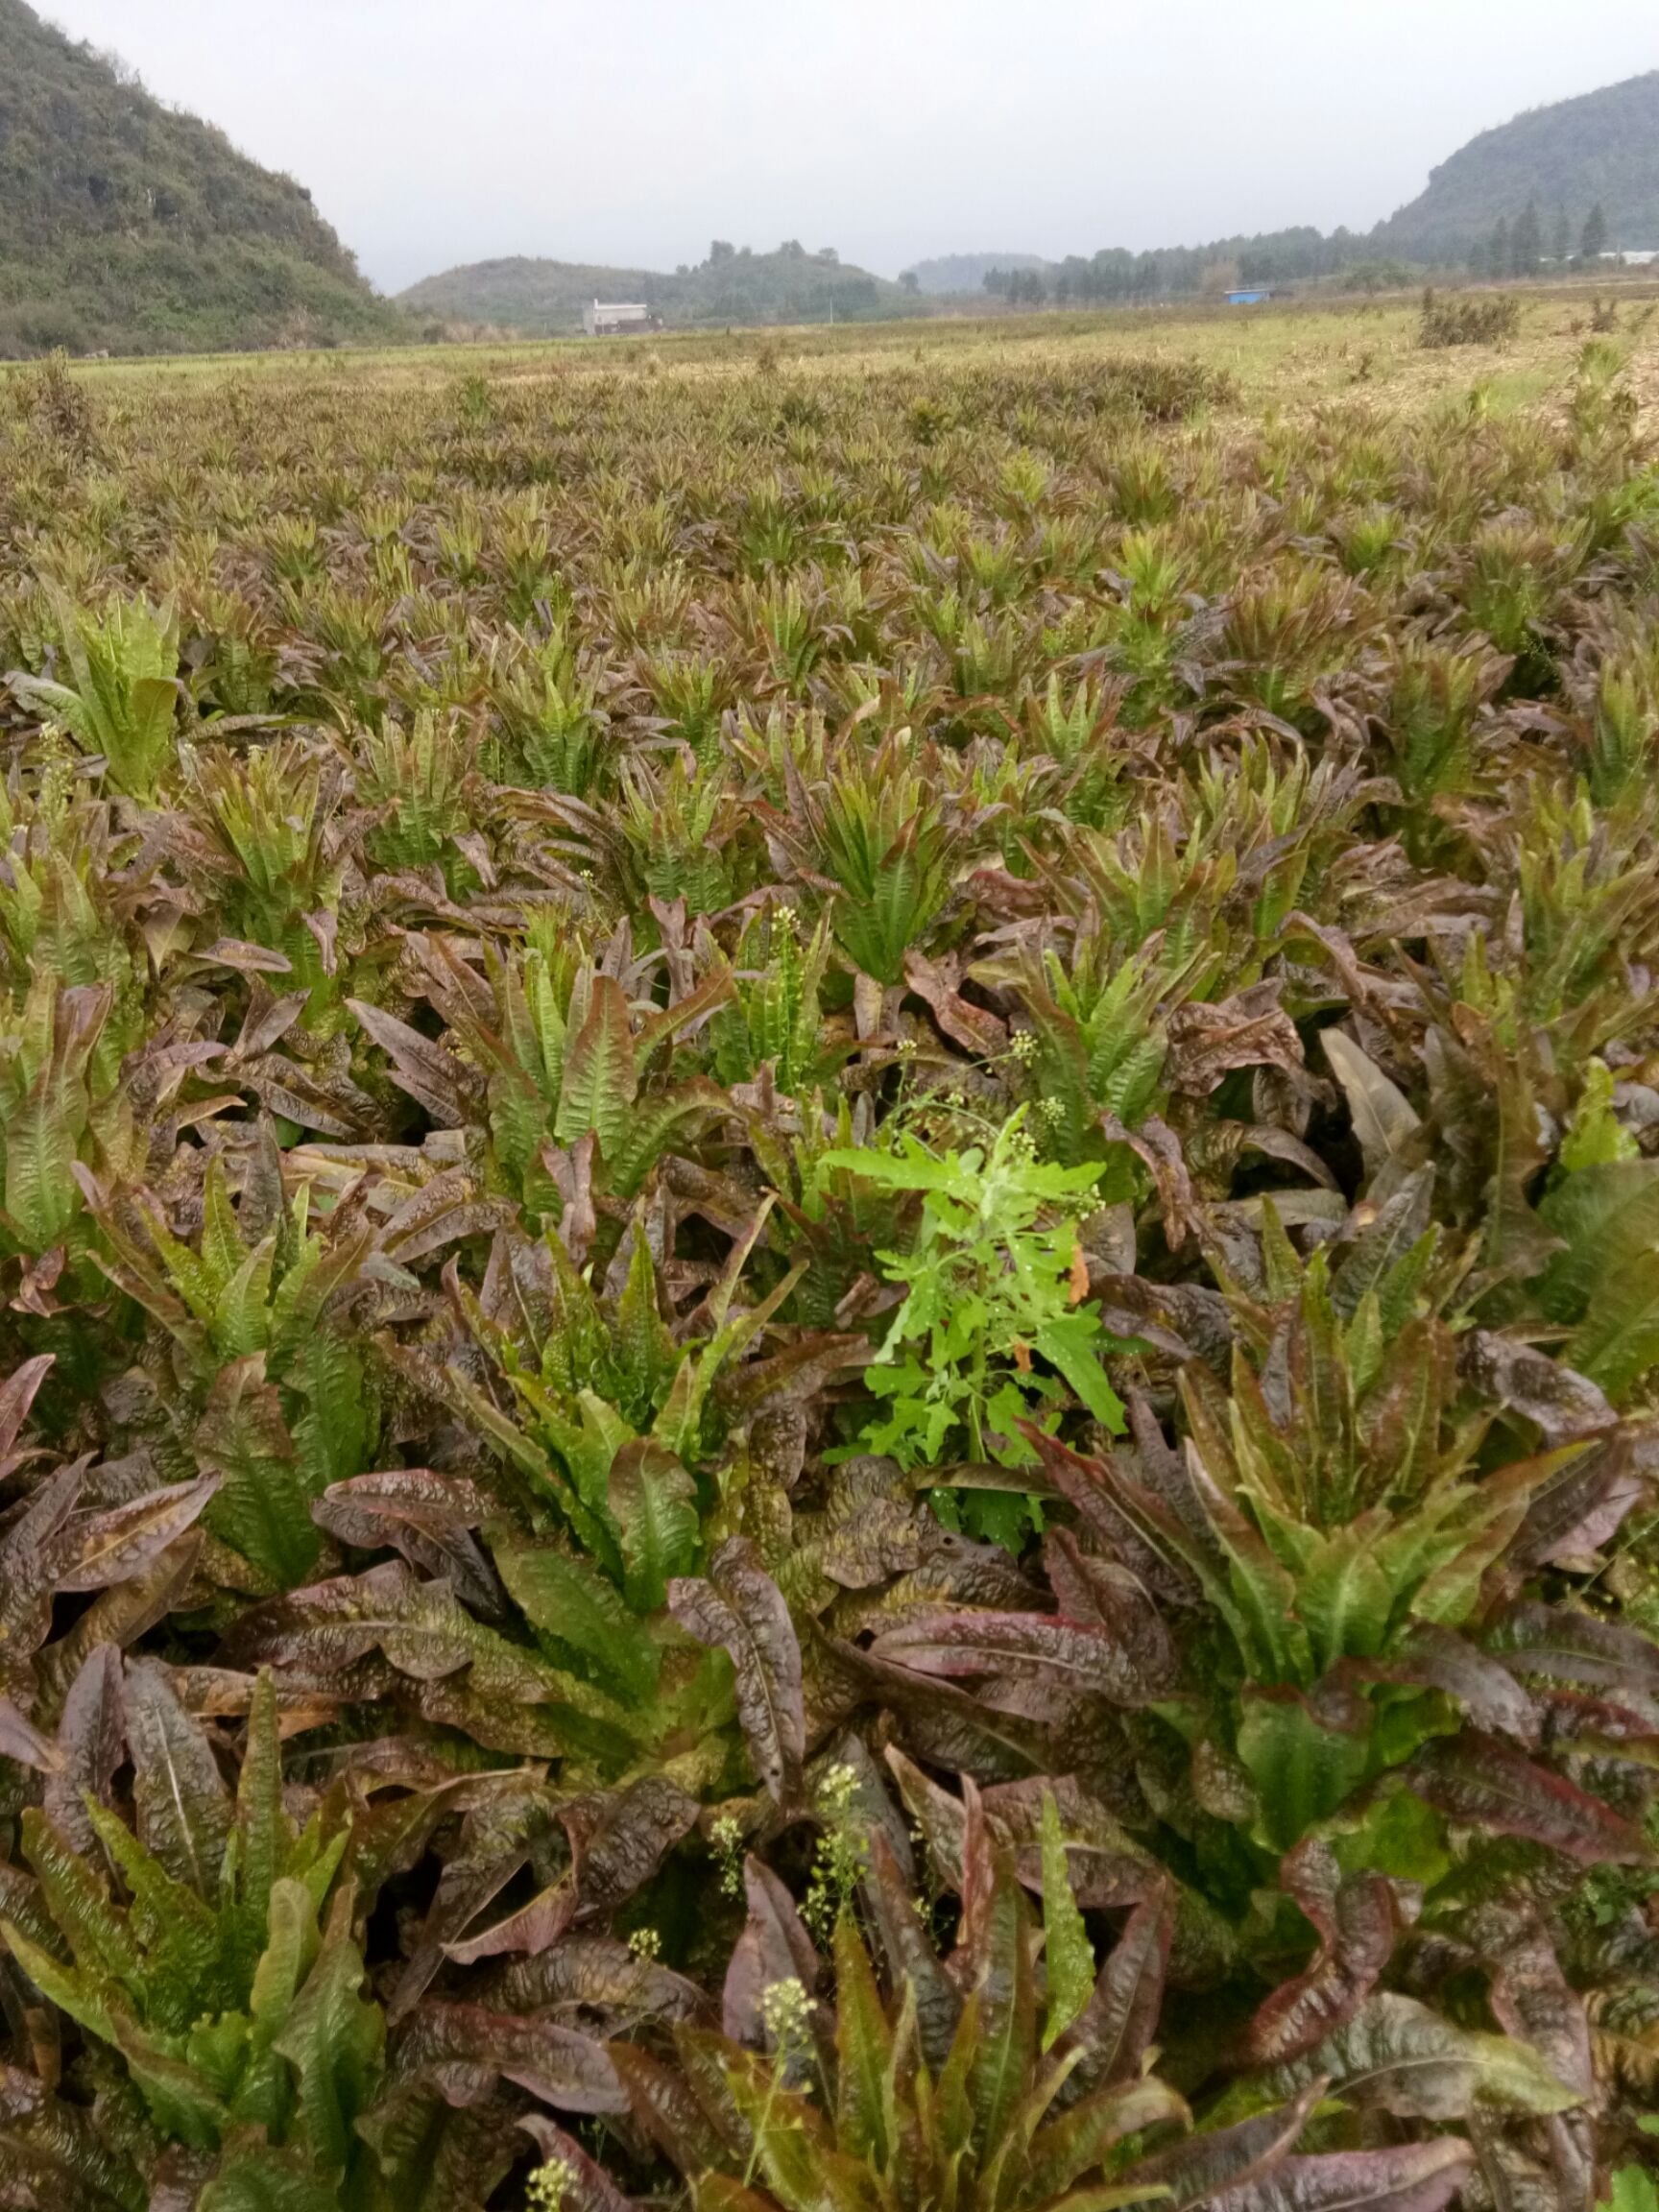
(830,1280)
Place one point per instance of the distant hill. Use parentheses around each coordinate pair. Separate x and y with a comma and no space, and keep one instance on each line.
(546,299)
(1602,148)
(127,226)
(958,273)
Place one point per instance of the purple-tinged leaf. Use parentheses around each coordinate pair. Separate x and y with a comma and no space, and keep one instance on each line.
(774,1947)
(592,1974)
(1398,2055)
(589,2188)
(1597,1728)
(1115,2029)
(1229,2158)
(17,1394)
(740,1609)
(428,1518)
(1154,1538)
(992,1966)
(450,1092)
(1129,1662)
(940,1818)
(1418,2177)
(1560,1404)
(92,1740)
(1532,1997)
(20,1740)
(1485,1783)
(620,1840)
(463,1890)
(465,2048)
(909,1949)
(1583,1504)
(1568,1645)
(670,2111)
(1358,1918)
(183,1806)
(32,1552)
(1080,2140)
(1438,1658)
(118,1617)
(532,1929)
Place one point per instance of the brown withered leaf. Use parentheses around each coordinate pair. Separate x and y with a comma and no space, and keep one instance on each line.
(1250,1030)
(1560,1404)
(119,1617)
(939,982)
(121,1544)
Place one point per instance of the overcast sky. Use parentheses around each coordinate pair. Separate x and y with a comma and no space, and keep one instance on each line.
(437,132)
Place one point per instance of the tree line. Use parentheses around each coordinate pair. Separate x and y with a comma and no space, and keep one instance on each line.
(1517,248)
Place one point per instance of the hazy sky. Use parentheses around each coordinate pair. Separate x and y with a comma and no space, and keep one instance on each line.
(435,131)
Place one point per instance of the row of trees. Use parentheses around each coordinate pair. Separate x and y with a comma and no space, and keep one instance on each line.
(1518,249)
(1515,249)
(1299,255)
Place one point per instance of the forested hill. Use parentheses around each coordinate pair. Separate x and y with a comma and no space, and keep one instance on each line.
(1601,150)
(124,225)
(546,299)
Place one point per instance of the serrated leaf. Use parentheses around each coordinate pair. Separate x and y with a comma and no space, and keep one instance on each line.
(567,1599)
(600,1078)
(333,2039)
(653,1502)
(1067,1955)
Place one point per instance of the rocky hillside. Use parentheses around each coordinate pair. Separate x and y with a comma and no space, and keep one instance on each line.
(127,227)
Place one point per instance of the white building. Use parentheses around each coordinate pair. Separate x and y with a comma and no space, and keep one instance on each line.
(616,319)
(1642,257)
